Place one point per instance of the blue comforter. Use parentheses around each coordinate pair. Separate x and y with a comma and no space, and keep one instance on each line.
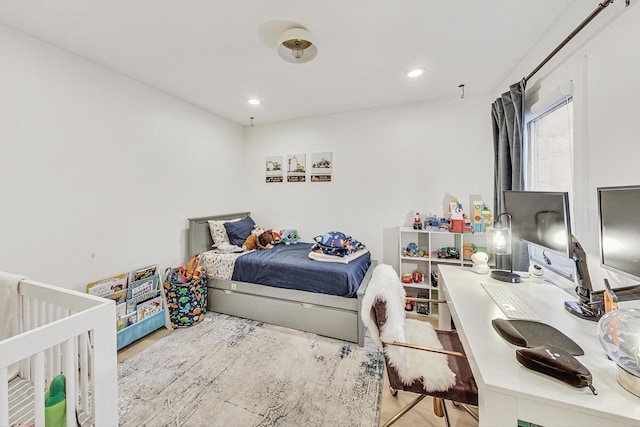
(289,266)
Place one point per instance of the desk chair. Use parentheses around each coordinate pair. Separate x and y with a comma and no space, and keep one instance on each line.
(462,393)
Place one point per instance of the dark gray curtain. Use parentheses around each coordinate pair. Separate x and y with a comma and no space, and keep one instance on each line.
(508,120)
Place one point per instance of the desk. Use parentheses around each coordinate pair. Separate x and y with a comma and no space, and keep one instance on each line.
(507,390)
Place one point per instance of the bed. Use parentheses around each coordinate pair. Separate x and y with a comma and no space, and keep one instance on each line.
(335,316)
(59,331)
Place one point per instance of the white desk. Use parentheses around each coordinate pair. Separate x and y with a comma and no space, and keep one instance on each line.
(508,391)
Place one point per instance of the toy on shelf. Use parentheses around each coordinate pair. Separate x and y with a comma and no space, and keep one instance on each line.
(417,223)
(407,278)
(456,215)
(408,305)
(434,278)
(430,222)
(448,252)
(468,225)
(416,276)
(422,307)
(456,220)
(468,249)
(487,218)
(412,250)
(476,217)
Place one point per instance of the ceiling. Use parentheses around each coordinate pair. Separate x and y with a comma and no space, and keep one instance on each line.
(216,54)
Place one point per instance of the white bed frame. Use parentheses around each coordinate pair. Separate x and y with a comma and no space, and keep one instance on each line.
(328,315)
(68,332)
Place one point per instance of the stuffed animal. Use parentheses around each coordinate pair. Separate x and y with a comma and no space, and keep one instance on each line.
(251,243)
(289,236)
(276,237)
(265,240)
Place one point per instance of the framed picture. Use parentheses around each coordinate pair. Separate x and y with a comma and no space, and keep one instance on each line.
(321,164)
(273,169)
(296,168)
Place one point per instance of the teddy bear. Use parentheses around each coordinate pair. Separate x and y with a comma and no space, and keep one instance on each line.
(265,239)
(289,236)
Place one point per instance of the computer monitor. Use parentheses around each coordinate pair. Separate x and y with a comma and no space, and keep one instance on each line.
(618,209)
(541,218)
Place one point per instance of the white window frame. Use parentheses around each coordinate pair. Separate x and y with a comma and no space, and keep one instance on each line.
(551,261)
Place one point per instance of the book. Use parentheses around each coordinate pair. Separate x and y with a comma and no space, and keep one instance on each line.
(130,319)
(142,288)
(121,309)
(142,273)
(149,307)
(113,287)
(121,323)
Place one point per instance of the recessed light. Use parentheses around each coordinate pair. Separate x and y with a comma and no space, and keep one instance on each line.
(253,101)
(415,73)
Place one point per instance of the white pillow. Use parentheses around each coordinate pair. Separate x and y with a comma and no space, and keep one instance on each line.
(218,232)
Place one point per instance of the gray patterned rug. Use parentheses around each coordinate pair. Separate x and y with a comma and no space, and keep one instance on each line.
(227,371)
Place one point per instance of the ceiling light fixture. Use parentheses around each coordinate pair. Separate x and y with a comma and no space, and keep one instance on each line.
(253,101)
(296,46)
(415,73)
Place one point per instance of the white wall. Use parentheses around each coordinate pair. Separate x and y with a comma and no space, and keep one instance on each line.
(91,161)
(388,163)
(603,65)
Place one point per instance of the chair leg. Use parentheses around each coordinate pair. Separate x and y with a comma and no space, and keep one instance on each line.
(441,409)
(468,410)
(404,410)
(393,391)
(446,414)
(437,407)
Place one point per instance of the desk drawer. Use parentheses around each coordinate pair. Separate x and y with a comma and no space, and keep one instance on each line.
(551,415)
(321,320)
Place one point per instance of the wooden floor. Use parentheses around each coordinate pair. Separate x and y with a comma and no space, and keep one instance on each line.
(421,414)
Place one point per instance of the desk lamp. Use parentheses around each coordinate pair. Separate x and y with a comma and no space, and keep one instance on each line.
(499,243)
(619,335)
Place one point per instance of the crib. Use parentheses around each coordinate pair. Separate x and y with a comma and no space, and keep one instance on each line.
(62,331)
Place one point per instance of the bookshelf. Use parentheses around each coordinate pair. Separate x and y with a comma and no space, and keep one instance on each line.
(141,306)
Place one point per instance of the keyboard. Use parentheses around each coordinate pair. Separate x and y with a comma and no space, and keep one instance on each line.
(510,304)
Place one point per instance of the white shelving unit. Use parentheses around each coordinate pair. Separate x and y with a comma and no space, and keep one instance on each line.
(431,242)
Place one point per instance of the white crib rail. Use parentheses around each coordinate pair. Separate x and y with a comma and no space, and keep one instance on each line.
(4,396)
(67,332)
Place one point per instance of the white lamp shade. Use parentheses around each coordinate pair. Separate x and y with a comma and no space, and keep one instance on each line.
(286,53)
(499,240)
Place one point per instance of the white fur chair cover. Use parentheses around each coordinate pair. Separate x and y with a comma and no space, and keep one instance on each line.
(410,364)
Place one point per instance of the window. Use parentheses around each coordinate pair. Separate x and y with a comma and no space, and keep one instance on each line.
(549,167)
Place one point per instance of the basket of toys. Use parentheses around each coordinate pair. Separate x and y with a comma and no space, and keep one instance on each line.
(186,292)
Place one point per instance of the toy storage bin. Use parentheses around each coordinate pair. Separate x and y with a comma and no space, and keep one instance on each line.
(186,302)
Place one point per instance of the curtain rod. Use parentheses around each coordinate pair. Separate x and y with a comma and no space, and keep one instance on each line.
(584,23)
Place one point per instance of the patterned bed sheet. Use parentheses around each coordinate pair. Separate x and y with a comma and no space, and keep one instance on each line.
(219,265)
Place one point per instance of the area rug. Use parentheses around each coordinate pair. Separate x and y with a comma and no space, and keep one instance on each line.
(228,371)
